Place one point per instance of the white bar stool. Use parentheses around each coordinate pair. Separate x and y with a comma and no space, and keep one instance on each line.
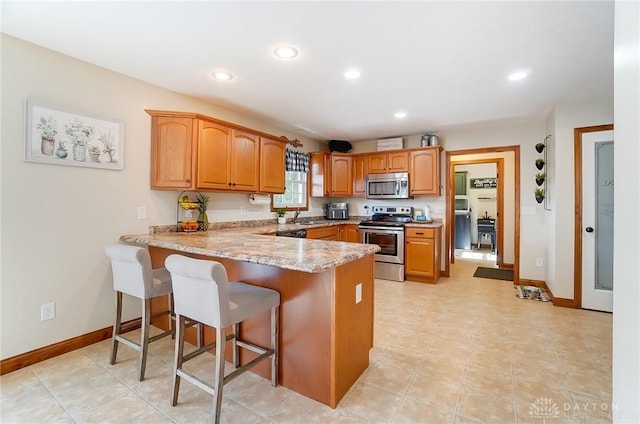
(202,293)
(132,274)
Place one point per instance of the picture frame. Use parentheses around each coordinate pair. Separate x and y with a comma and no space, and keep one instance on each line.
(64,137)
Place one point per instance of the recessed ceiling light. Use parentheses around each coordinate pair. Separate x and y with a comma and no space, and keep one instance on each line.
(517,76)
(400,114)
(286,52)
(352,74)
(222,75)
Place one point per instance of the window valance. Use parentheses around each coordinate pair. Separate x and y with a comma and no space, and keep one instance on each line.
(297,161)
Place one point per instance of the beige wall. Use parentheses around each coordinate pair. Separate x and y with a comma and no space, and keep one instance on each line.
(56,220)
(560,166)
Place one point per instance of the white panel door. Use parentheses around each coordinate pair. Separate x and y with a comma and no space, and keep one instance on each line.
(597,221)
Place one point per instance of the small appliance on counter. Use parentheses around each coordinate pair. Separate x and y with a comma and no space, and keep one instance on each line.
(337,211)
(423,215)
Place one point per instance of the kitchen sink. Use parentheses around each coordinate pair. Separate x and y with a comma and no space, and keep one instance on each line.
(309,222)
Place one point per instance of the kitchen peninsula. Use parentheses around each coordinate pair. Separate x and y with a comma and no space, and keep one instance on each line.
(326,290)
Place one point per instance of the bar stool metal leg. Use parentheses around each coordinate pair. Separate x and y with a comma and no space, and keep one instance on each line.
(178,358)
(221,348)
(275,329)
(116,328)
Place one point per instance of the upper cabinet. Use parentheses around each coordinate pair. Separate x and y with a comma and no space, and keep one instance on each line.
(191,151)
(387,162)
(272,166)
(228,159)
(171,152)
(359,166)
(424,173)
(331,175)
(341,176)
(214,154)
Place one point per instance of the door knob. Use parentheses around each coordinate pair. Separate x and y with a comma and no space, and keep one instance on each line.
(589,230)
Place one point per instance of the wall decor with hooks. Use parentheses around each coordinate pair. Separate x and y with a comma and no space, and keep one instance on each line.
(540,191)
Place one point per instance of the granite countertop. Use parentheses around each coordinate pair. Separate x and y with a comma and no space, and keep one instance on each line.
(258,245)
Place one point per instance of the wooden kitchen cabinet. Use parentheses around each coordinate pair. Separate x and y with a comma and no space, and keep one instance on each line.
(323,233)
(341,176)
(424,172)
(213,153)
(422,254)
(349,232)
(190,151)
(358,163)
(331,175)
(272,166)
(228,159)
(172,163)
(389,162)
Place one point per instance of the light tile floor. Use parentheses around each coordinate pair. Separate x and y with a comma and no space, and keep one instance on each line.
(463,351)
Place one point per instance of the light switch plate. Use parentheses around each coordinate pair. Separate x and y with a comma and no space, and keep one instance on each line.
(358,293)
(142,212)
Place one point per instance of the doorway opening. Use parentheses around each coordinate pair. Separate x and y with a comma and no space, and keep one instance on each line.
(501,231)
(477,190)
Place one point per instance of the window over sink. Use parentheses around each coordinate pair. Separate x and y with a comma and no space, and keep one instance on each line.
(295,194)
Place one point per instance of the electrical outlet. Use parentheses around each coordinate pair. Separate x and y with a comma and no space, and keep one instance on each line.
(47,311)
(243,211)
(358,292)
(539,262)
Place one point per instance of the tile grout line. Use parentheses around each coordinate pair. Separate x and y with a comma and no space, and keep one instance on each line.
(35,374)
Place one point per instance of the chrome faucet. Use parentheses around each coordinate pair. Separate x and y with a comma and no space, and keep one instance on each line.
(295,215)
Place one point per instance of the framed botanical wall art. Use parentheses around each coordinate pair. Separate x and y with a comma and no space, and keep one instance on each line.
(65,137)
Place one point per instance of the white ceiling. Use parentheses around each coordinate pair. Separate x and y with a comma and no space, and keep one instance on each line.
(444,63)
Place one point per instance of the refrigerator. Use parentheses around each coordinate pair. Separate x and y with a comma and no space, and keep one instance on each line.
(463,231)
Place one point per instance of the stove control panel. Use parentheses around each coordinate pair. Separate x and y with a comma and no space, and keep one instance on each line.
(393,210)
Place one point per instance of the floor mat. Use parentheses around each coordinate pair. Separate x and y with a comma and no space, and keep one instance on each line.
(494,273)
(532,292)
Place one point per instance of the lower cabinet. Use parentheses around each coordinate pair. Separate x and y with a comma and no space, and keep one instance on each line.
(323,233)
(422,254)
(349,232)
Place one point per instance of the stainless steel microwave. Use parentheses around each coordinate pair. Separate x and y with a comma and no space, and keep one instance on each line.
(387,186)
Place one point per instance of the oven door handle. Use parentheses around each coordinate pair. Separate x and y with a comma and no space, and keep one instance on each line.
(387,230)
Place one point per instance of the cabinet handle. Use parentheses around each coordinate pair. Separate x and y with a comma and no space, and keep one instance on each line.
(229,184)
(420,234)
(188,181)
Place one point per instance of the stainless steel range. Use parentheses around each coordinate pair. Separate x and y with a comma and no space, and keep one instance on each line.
(386,229)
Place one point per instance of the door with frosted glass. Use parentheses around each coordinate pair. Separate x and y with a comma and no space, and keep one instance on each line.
(597,220)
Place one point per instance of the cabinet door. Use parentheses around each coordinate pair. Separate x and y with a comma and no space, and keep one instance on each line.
(323,233)
(341,178)
(398,162)
(424,172)
(359,174)
(377,163)
(272,166)
(349,232)
(214,152)
(419,256)
(245,161)
(171,152)
(320,174)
